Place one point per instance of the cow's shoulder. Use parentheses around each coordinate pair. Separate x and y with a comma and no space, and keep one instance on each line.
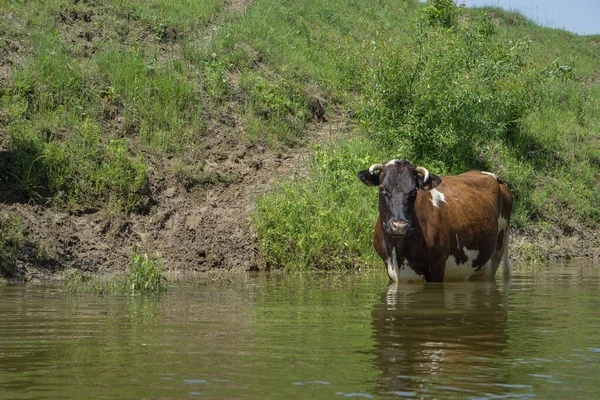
(460,194)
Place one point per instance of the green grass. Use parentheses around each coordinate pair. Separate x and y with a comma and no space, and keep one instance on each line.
(95,91)
(144,275)
(90,90)
(479,92)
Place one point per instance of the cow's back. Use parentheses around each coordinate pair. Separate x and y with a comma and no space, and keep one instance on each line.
(463,220)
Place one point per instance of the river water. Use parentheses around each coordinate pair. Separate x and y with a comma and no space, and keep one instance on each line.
(308,336)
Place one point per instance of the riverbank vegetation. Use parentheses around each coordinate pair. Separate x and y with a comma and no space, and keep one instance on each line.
(451,89)
(100,101)
(144,275)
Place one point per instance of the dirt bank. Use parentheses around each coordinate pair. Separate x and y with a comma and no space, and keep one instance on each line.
(193,229)
(208,227)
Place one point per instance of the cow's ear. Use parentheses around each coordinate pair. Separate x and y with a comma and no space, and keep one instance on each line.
(368,178)
(431,183)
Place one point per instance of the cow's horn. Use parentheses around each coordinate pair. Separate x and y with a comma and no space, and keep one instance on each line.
(424,172)
(375,167)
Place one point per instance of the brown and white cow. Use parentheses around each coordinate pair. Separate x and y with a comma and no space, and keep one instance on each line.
(439,228)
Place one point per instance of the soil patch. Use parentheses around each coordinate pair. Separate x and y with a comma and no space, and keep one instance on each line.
(194,229)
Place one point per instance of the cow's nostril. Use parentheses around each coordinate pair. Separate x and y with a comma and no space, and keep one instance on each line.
(399,227)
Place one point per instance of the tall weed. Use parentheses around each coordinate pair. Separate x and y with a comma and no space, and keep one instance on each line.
(145,273)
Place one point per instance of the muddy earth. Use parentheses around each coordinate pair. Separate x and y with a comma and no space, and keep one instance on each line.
(197,229)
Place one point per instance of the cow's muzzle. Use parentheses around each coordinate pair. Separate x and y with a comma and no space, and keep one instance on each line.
(398,228)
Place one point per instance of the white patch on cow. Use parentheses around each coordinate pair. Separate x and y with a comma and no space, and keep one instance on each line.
(392,266)
(457,242)
(456,271)
(391,162)
(437,197)
(490,174)
(407,274)
(402,273)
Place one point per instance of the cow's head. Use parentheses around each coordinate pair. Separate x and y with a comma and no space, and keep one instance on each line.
(398,182)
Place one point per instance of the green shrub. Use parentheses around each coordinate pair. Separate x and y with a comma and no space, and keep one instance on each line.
(441,12)
(460,90)
(324,220)
(145,273)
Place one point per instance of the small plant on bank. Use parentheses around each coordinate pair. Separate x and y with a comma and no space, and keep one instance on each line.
(145,273)
(11,237)
(17,246)
(76,281)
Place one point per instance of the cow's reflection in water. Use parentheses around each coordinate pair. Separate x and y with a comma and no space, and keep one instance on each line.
(439,335)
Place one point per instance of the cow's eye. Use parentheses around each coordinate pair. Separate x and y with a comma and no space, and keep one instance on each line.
(383,191)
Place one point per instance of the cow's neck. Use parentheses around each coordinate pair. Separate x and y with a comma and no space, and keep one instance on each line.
(400,257)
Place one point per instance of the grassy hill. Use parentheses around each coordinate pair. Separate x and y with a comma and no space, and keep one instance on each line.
(451,89)
(129,111)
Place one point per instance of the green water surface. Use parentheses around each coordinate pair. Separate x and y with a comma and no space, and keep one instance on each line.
(308,336)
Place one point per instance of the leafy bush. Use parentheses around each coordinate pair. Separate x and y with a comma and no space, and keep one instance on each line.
(441,12)
(461,89)
(145,273)
(323,221)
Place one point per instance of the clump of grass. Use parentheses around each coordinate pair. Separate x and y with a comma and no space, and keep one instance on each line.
(280,106)
(16,244)
(78,173)
(158,100)
(533,255)
(11,238)
(75,281)
(146,273)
